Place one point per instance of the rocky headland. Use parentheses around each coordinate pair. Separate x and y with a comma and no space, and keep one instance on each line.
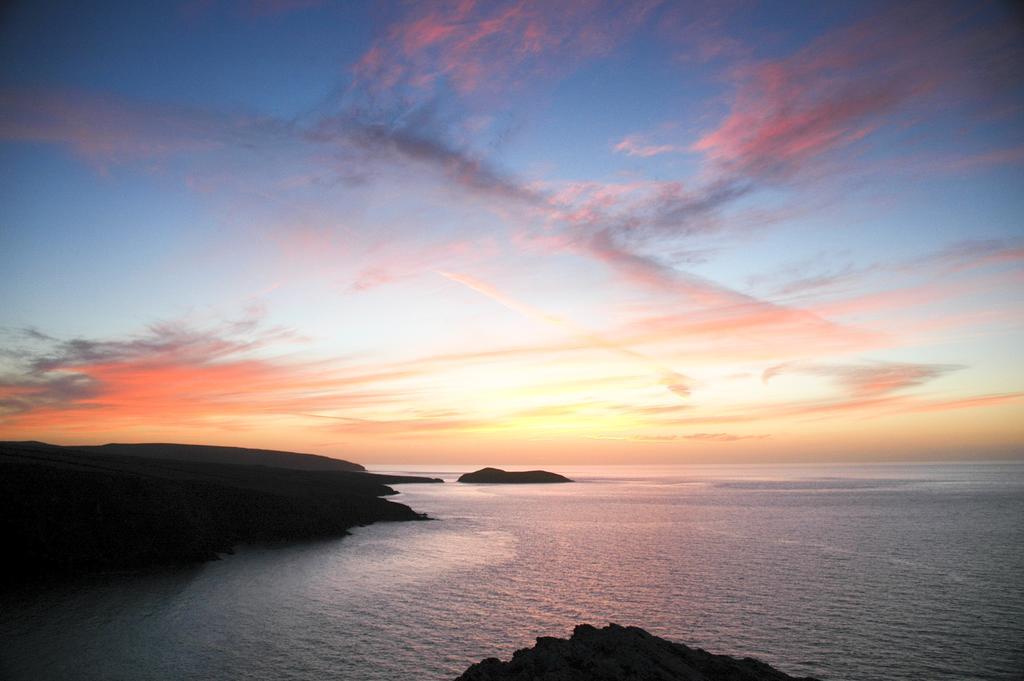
(72,510)
(617,653)
(498,476)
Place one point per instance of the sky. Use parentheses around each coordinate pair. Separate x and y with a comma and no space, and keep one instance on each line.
(516,232)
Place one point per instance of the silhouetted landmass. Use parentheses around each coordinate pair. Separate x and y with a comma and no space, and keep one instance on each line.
(214,454)
(68,510)
(620,654)
(496,475)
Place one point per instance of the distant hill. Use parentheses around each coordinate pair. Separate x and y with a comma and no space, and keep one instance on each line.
(210,454)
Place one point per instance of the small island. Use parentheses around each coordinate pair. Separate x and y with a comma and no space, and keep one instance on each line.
(498,476)
(617,653)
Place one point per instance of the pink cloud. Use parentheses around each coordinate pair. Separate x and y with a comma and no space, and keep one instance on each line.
(475,45)
(865,406)
(754,331)
(868,379)
(791,111)
(174,375)
(878,406)
(970,402)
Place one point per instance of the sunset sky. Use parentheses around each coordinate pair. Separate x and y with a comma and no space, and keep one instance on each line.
(517,232)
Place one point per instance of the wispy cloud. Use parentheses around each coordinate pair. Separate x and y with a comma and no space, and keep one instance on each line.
(636,145)
(784,416)
(175,374)
(700,437)
(620,224)
(792,112)
(471,45)
(879,406)
(870,378)
(108,128)
(723,437)
(674,381)
(417,136)
(323,148)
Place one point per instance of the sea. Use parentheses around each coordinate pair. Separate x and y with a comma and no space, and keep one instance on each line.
(842,572)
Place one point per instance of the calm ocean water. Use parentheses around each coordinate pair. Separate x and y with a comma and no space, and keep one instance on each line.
(869,572)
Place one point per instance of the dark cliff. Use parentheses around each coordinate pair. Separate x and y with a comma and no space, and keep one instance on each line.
(66,510)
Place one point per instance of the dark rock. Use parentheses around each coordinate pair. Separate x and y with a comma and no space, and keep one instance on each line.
(618,653)
(496,475)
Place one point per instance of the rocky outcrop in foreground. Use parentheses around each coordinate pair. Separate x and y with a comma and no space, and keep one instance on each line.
(619,654)
(496,475)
